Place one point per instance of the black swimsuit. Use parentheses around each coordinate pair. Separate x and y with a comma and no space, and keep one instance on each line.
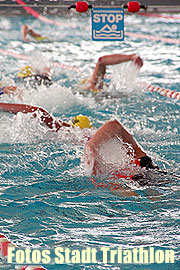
(145,162)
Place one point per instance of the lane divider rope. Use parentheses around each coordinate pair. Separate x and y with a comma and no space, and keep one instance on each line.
(162,91)
(4,244)
(25,57)
(134,35)
(155,38)
(155,15)
(36,14)
(13,54)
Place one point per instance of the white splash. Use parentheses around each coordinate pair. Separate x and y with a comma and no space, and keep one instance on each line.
(124,78)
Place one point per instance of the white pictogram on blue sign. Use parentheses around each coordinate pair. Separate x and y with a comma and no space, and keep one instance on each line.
(107,24)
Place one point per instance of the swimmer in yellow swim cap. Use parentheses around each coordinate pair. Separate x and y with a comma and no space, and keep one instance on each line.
(27,31)
(81,121)
(45,117)
(35,78)
(110,131)
(26,72)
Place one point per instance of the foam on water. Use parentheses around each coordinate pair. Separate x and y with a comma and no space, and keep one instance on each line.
(125,79)
(114,155)
(5,24)
(61,97)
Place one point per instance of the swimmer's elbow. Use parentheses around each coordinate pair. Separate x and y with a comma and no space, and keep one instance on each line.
(43,111)
(114,124)
(101,61)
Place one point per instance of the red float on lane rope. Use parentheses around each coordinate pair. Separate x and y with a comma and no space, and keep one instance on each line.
(81,6)
(133,6)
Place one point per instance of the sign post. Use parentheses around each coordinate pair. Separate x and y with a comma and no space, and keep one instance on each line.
(107,24)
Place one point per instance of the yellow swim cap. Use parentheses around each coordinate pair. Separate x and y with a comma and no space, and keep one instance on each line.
(25,72)
(81,121)
(40,38)
(83,81)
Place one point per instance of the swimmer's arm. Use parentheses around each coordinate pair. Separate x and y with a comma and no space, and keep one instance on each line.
(44,115)
(9,89)
(110,130)
(151,194)
(26,30)
(113,59)
(12,90)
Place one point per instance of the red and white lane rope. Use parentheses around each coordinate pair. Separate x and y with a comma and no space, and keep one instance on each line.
(155,15)
(162,91)
(36,14)
(64,66)
(53,64)
(4,244)
(13,54)
(135,35)
(155,38)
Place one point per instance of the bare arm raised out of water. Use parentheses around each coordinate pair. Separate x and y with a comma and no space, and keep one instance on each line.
(26,30)
(108,131)
(97,78)
(44,115)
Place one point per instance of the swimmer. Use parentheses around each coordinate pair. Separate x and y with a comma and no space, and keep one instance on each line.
(113,130)
(96,81)
(45,117)
(110,130)
(36,77)
(27,31)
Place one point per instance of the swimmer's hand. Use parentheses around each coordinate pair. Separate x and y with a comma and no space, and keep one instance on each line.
(26,39)
(137,60)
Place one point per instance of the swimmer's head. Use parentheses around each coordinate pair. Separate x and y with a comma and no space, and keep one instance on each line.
(25,72)
(81,121)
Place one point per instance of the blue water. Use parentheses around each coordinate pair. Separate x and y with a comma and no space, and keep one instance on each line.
(45,199)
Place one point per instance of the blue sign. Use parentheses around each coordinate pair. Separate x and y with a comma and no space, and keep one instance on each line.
(107,24)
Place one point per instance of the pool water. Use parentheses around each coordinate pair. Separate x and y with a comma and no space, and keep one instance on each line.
(46,201)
